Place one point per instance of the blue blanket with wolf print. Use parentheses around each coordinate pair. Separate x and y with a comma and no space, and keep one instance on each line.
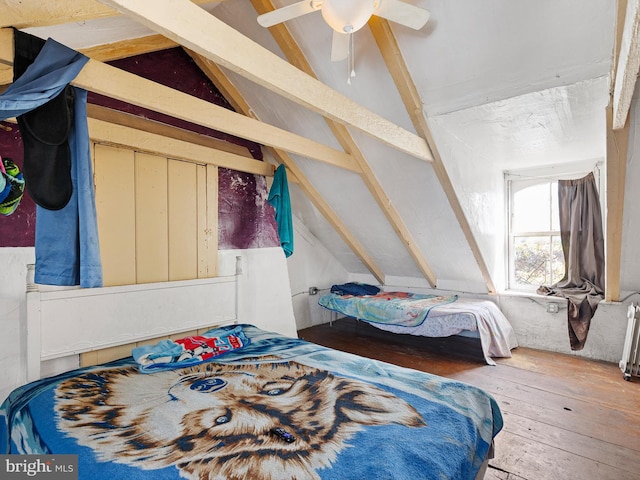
(277,408)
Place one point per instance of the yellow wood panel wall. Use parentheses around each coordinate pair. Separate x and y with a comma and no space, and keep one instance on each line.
(183,221)
(209,244)
(155,217)
(115,205)
(152,245)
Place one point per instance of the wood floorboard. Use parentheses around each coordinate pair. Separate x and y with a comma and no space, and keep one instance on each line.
(583,416)
(565,417)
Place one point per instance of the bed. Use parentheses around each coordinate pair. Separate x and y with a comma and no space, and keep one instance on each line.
(268,407)
(429,316)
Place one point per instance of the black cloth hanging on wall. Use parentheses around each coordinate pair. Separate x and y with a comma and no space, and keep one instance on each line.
(66,242)
(45,135)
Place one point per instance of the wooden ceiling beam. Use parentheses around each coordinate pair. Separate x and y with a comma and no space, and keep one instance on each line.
(39,13)
(128,48)
(628,64)
(213,39)
(233,95)
(294,54)
(151,126)
(617,142)
(617,146)
(113,134)
(110,51)
(115,83)
(392,55)
(6,75)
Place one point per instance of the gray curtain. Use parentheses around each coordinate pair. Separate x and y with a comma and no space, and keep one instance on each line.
(583,247)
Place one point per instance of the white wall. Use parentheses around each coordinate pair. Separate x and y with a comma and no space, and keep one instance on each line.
(265,302)
(630,255)
(311,265)
(536,328)
(13,281)
(265,297)
(478,182)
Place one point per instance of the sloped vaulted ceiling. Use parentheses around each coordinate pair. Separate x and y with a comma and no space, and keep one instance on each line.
(421,198)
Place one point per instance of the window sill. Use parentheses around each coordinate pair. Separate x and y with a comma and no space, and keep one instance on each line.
(521,293)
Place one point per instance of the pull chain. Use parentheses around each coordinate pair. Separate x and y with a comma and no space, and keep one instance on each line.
(351,70)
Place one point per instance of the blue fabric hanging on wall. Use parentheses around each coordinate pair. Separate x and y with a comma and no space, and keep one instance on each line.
(67,248)
(279,199)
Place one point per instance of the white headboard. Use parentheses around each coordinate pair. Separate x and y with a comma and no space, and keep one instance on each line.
(69,322)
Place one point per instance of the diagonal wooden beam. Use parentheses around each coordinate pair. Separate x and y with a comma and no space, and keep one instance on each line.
(233,95)
(117,50)
(294,54)
(39,13)
(128,48)
(110,81)
(392,55)
(32,14)
(111,51)
(36,13)
(195,29)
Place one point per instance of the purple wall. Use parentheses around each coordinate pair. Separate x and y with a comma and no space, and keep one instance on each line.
(246,220)
(175,69)
(17,229)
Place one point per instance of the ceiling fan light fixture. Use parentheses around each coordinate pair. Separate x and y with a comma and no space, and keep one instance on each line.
(347,16)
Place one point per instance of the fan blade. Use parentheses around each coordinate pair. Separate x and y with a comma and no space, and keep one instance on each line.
(402,13)
(339,46)
(289,12)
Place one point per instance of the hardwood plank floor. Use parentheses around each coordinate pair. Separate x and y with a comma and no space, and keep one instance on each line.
(565,418)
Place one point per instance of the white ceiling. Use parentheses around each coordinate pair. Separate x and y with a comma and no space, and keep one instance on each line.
(563,124)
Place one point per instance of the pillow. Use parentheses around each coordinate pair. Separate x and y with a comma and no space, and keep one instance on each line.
(187,351)
(355,288)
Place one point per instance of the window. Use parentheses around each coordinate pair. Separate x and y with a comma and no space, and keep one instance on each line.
(535,249)
(535,255)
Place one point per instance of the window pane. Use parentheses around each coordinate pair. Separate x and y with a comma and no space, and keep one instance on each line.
(557,260)
(555,216)
(531,260)
(531,207)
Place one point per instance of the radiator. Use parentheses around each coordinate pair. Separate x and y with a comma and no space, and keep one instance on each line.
(630,363)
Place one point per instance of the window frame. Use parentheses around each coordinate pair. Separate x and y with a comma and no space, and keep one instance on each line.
(523,183)
(536,177)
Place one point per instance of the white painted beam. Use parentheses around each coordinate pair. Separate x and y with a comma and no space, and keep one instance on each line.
(628,65)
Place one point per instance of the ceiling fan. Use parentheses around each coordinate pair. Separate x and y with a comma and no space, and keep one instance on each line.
(348,16)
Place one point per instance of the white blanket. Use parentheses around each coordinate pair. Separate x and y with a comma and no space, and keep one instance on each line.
(496,334)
